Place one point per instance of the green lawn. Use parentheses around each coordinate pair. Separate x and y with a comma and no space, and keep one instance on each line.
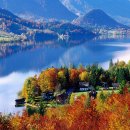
(105,91)
(77,94)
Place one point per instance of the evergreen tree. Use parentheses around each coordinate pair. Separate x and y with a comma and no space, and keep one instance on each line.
(95,73)
(111,64)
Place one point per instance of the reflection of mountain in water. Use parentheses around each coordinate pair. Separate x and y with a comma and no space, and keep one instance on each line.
(57,54)
(7,49)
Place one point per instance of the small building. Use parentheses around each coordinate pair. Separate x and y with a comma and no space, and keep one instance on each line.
(85,86)
(115,85)
(61,98)
(19,102)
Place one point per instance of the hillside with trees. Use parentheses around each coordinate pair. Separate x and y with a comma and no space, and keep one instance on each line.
(38,9)
(71,80)
(98,18)
(107,112)
(40,31)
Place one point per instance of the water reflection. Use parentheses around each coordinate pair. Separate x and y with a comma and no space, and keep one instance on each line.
(58,54)
(7,49)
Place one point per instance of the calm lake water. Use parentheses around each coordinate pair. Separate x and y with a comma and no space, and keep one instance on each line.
(34,57)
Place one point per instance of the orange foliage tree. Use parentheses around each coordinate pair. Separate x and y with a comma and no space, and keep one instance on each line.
(48,80)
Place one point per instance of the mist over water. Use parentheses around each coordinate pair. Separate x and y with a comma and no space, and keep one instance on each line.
(9,87)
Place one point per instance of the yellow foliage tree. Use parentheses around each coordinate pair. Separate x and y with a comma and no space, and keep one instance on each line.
(83,76)
(28,87)
(121,64)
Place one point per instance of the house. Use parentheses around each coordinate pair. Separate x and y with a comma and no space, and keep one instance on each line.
(61,98)
(115,85)
(84,86)
(19,102)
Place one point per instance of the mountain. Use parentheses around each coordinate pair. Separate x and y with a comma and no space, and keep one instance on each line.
(98,18)
(10,23)
(75,32)
(40,8)
(79,7)
(118,9)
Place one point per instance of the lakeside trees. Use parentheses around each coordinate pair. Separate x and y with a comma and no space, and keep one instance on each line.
(29,88)
(66,78)
(47,80)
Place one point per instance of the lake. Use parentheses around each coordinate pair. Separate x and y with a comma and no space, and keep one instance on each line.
(21,60)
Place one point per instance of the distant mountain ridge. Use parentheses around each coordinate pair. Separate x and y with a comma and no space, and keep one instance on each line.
(74,31)
(98,18)
(40,8)
(119,9)
(10,23)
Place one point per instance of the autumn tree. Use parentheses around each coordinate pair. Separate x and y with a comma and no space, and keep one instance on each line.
(29,87)
(74,76)
(62,79)
(48,80)
(84,76)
